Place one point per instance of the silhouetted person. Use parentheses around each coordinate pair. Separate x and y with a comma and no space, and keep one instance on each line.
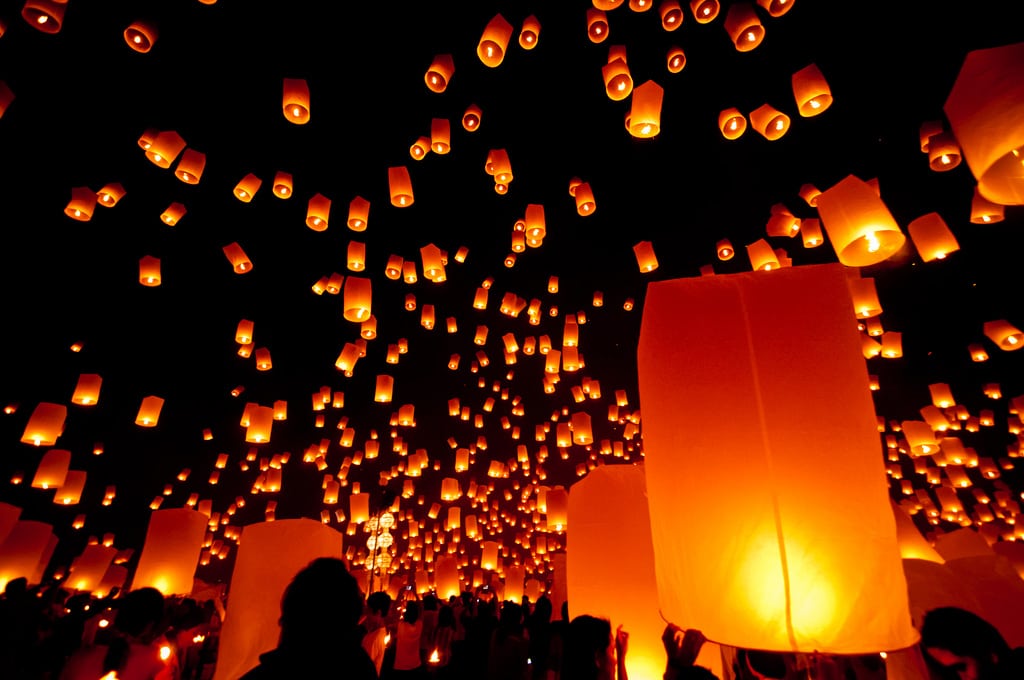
(375,631)
(592,652)
(960,645)
(509,649)
(538,628)
(320,613)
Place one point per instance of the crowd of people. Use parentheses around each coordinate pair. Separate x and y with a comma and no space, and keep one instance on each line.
(49,633)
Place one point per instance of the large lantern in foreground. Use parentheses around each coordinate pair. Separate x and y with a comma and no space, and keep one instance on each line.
(170,553)
(804,556)
(859,225)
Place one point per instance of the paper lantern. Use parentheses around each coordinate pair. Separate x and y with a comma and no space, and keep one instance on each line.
(860,226)
(1002,332)
(810,89)
(865,297)
(81,205)
(810,230)
(26,551)
(471,118)
(283,185)
(400,185)
(420,148)
(675,61)
(149,411)
(943,152)
(671,14)
(454,519)
(261,421)
(743,26)
(269,556)
(597,25)
(70,492)
(110,194)
(356,256)
(618,83)
(762,256)
(529,33)
(494,41)
(433,263)
(140,36)
(52,470)
(645,257)
(932,237)
(446,577)
(358,213)
(776,8)
(9,515)
(920,437)
(175,211)
(609,507)
(247,187)
(317,212)
(295,101)
(704,11)
(731,123)
(725,250)
(87,390)
(190,166)
(45,424)
(769,121)
(984,211)
(149,271)
(440,135)
(985,110)
(584,196)
(164,148)
(243,332)
(785,566)
(240,262)
(44,15)
(644,119)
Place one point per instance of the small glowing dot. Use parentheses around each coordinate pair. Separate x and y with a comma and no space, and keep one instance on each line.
(815,104)
(137,39)
(42,19)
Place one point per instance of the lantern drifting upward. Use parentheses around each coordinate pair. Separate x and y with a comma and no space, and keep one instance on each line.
(317,212)
(1002,332)
(860,226)
(645,258)
(149,271)
(769,121)
(358,296)
(295,101)
(44,15)
(45,424)
(400,185)
(240,262)
(140,36)
(87,391)
(705,11)
(80,207)
(439,73)
(985,109)
(52,470)
(786,566)
(732,123)
(645,111)
(494,41)
(529,33)
(149,411)
(811,91)
(743,26)
(932,237)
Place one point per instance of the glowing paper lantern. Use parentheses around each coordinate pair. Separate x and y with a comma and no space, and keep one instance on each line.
(295,101)
(9,515)
(1001,332)
(810,90)
(87,390)
(676,60)
(645,111)
(400,185)
(80,207)
(985,110)
(776,8)
(140,36)
(240,262)
(732,123)
(645,258)
(283,186)
(597,25)
(247,187)
(90,566)
(725,250)
(109,195)
(269,556)
(743,26)
(943,152)
(494,41)
(584,195)
(26,551)
(932,237)
(471,118)
(984,211)
(358,213)
(45,424)
(261,420)
(440,73)
(190,166)
(769,121)
(529,33)
(317,212)
(865,297)
(786,566)
(358,298)
(174,212)
(149,271)
(762,256)
(44,15)
(149,411)
(446,576)
(171,550)
(618,83)
(671,14)
(860,226)
(705,11)
(52,470)
(164,148)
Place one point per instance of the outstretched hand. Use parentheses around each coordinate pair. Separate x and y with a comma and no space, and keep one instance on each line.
(621,642)
(682,647)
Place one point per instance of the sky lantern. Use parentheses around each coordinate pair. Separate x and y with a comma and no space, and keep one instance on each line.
(645,110)
(618,83)
(671,14)
(283,185)
(295,101)
(439,74)
(769,121)
(70,492)
(776,8)
(675,61)
(317,212)
(440,135)
(762,256)
(247,187)
(141,35)
(26,551)
(149,411)
(584,196)
(45,424)
(471,118)
(269,556)
(985,110)
(174,212)
(356,256)
(164,148)
(724,250)
(52,470)
(420,148)
(705,11)
(810,89)
(110,194)
(240,262)
(597,25)
(261,420)
(44,15)
(732,123)
(149,271)
(358,213)
(810,231)
(243,332)
(81,205)
(859,225)
(984,211)
(1002,332)
(400,185)
(170,552)
(743,26)
(87,391)
(865,297)
(494,41)
(190,166)
(932,237)
(943,152)
(785,566)
(529,33)
(645,258)
(87,570)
